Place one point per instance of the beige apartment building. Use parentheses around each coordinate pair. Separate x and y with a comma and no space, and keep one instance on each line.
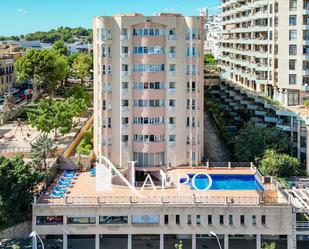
(265,47)
(148,89)
(9,53)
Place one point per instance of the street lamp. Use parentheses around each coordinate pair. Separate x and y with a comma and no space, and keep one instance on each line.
(34,235)
(215,235)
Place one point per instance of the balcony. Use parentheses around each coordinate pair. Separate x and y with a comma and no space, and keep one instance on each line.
(172,37)
(124,55)
(172,143)
(171,55)
(172,73)
(124,37)
(172,126)
(124,73)
(125,126)
(172,108)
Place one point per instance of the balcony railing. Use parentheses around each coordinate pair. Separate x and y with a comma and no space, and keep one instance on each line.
(302,225)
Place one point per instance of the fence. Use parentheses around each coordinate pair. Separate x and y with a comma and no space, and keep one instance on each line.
(189,199)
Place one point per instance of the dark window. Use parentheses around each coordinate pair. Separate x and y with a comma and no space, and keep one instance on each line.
(177,219)
(81,220)
(113,219)
(49,220)
(198,219)
(209,219)
(263,219)
(231,219)
(189,219)
(221,219)
(242,220)
(165,219)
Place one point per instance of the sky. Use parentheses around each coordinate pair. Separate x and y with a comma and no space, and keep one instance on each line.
(23,16)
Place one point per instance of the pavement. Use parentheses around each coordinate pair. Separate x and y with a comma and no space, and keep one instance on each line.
(215,149)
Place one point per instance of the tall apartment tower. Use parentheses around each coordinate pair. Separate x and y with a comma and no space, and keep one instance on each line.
(148,89)
(265,47)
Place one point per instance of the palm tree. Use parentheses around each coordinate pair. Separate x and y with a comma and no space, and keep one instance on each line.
(41,149)
(179,245)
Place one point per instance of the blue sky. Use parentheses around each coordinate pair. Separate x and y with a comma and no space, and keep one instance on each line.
(23,16)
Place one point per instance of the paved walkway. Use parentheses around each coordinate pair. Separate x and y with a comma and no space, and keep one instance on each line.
(215,149)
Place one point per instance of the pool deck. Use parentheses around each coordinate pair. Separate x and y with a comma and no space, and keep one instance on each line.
(84,186)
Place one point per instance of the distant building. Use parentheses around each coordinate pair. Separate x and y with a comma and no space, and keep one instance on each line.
(213,29)
(204,13)
(9,53)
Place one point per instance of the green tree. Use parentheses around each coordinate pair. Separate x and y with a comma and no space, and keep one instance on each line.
(60,73)
(179,245)
(252,141)
(15,246)
(279,165)
(42,66)
(81,66)
(18,183)
(60,47)
(209,59)
(56,115)
(269,246)
(79,92)
(71,58)
(41,149)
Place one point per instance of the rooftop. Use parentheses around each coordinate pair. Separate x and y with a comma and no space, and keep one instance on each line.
(83,191)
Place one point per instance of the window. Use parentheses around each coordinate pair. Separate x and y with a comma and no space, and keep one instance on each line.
(149,159)
(113,219)
(49,220)
(125,85)
(148,50)
(148,32)
(177,219)
(242,220)
(253,219)
(292,79)
(292,50)
(198,219)
(165,219)
(221,219)
(292,20)
(263,219)
(230,219)
(81,220)
(292,64)
(292,34)
(124,138)
(293,5)
(209,219)
(172,85)
(189,220)
(293,99)
(148,67)
(172,138)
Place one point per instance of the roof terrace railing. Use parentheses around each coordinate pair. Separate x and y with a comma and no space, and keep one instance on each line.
(164,200)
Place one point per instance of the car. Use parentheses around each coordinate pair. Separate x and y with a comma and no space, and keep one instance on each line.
(22,97)
(14,90)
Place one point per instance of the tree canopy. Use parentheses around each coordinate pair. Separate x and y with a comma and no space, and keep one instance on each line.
(81,66)
(42,67)
(209,59)
(56,115)
(60,47)
(252,141)
(62,33)
(18,183)
(279,165)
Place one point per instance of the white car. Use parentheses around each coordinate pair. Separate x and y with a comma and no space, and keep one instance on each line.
(14,90)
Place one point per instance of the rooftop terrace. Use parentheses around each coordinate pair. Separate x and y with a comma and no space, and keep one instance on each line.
(83,191)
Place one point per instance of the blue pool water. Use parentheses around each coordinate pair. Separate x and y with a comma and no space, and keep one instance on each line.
(225,182)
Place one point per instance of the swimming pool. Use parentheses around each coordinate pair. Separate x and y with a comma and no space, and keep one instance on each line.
(225,182)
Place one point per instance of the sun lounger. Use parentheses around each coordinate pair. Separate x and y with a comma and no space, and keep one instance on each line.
(56,195)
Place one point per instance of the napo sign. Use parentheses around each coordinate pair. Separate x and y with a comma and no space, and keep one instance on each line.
(105,170)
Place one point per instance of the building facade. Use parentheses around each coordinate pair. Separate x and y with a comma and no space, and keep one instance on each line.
(242,219)
(264,47)
(148,89)
(9,53)
(213,29)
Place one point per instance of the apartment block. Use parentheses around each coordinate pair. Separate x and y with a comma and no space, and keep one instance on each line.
(264,47)
(148,89)
(8,55)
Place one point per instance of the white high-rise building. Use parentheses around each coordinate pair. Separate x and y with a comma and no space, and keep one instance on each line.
(265,47)
(213,29)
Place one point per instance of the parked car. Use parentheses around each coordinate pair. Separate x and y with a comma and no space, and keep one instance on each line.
(14,90)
